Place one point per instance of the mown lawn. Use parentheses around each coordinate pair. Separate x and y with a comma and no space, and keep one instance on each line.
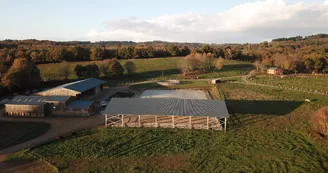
(148,69)
(269,131)
(12,133)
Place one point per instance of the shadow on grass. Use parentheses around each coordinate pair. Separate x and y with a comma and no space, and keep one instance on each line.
(246,112)
(229,67)
(263,107)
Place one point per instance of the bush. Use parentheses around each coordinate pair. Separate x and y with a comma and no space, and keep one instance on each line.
(114,68)
(130,67)
(319,121)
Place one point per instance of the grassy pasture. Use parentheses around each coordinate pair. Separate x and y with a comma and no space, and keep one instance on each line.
(151,69)
(305,83)
(170,150)
(268,132)
(12,133)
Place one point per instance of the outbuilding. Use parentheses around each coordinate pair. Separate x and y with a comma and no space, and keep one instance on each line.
(76,89)
(275,71)
(33,106)
(167,113)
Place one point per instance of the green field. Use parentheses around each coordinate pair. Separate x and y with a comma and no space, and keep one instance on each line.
(12,133)
(268,132)
(152,69)
(303,83)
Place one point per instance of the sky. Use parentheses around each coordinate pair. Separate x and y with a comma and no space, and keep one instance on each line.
(205,21)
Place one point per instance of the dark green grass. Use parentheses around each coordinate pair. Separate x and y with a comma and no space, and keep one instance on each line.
(12,133)
(253,150)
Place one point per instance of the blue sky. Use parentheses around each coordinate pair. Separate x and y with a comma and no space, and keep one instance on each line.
(140,20)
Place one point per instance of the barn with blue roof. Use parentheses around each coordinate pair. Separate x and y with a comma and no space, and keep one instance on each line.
(82,87)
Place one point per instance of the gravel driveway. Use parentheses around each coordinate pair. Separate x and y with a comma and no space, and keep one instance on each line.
(59,126)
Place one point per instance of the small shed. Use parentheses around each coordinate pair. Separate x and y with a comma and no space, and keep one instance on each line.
(216,81)
(275,71)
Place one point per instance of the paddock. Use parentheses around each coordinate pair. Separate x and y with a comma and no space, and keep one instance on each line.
(167,113)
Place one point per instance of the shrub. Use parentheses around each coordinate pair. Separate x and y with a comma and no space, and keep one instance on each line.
(114,68)
(130,67)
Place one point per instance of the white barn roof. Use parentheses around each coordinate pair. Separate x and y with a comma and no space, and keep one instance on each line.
(167,106)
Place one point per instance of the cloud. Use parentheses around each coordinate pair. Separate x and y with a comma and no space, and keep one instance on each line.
(248,22)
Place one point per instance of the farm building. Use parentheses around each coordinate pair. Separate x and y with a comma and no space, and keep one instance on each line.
(41,106)
(76,89)
(275,71)
(167,113)
(34,106)
(76,108)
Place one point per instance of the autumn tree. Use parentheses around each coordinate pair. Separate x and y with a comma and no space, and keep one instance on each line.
(188,64)
(205,62)
(102,68)
(114,68)
(219,64)
(126,52)
(80,71)
(92,70)
(97,53)
(87,71)
(35,57)
(257,64)
(64,70)
(319,64)
(173,50)
(130,67)
(206,49)
(309,65)
(3,69)
(22,74)
(57,54)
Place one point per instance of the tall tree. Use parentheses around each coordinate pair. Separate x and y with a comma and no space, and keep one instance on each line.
(219,64)
(130,67)
(114,68)
(64,70)
(22,74)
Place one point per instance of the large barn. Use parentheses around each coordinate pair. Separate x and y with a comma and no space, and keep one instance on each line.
(75,89)
(167,113)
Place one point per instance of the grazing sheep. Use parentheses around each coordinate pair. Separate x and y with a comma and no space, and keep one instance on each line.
(308,100)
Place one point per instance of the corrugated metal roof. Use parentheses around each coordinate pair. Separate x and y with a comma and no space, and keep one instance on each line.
(80,104)
(36,100)
(82,85)
(167,106)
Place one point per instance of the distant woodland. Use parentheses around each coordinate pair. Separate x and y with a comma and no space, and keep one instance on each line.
(294,55)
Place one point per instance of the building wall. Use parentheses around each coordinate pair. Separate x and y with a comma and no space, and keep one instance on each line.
(25,110)
(58,92)
(81,113)
(270,71)
(76,112)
